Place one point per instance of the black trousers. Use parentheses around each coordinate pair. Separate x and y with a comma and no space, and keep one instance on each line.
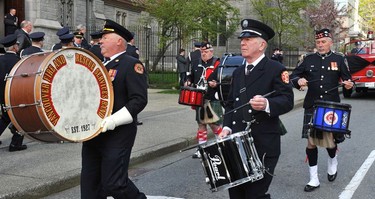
(257,189)
(105,173)
(17,139)
(182,78)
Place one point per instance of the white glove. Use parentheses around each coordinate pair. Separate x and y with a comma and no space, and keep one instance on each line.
(121,117)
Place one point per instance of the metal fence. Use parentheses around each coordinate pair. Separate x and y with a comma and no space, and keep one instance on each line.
(147,40)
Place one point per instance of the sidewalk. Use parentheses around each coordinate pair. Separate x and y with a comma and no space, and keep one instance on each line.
(45,168)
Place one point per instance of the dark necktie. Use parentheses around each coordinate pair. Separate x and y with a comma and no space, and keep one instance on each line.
(106,60)
(249,68)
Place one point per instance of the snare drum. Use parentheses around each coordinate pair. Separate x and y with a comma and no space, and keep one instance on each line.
(191,96)
(231,161)
(59,96)
(331,116)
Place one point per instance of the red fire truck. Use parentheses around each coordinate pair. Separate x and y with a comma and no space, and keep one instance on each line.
(360,55)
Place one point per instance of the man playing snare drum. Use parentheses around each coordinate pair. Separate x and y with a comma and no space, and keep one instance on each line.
(202,76)
(321,72)
(250,84)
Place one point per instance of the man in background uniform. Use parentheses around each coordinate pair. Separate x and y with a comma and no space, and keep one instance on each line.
(202,76)
(10,22)
(78,37)
(81,29)
(7,61)
(37,40)
(131,49)
(59,33)
(66,40)
(95,48)
(194,55)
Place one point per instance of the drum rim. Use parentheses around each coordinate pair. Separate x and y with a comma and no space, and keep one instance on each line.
(192,89)
(331,104)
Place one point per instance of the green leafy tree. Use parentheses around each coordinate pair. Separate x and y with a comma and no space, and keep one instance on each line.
(367,12)
(182,20)
(285,17)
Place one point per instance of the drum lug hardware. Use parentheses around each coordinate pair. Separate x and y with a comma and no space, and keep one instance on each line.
(39,132)
(21,75)
(22,105)
(264,168)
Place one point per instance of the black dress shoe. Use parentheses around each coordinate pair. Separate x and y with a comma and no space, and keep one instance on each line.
(139,122)
(309,188)
(17,148)
(332,178)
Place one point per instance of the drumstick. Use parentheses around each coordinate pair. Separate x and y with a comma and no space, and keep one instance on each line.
(314,80)
(340,84)
(243,105)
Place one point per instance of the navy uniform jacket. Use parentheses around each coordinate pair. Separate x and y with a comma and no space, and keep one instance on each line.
(9,22)
(193,56)
(95,49)
(7,61)
(323,72)
(56,46)
(85,44)
(130,90)
(132,51)
(264,78)
(30,50)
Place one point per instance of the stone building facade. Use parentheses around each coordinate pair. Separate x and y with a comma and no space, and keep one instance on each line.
(50,15)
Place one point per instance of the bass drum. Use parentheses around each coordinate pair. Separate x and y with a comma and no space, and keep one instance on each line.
(59,96)
(229,63)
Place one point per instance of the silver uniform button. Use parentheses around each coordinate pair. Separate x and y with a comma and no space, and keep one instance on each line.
(322,76)
(237,99)
(250,111)
(321,97)
(321,86)
(322,66)
(235,111)
(234,122)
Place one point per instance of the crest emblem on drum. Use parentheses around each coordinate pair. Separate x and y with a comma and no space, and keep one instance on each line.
(330,118)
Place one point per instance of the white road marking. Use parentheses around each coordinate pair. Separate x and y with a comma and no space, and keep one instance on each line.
(155,197)
(161,197)
(357,179)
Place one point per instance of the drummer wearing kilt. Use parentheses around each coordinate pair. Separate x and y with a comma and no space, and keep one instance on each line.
(250,84)
(321,72)
(202,77)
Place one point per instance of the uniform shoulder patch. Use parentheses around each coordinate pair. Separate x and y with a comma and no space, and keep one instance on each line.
(138,68)
(285,77)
